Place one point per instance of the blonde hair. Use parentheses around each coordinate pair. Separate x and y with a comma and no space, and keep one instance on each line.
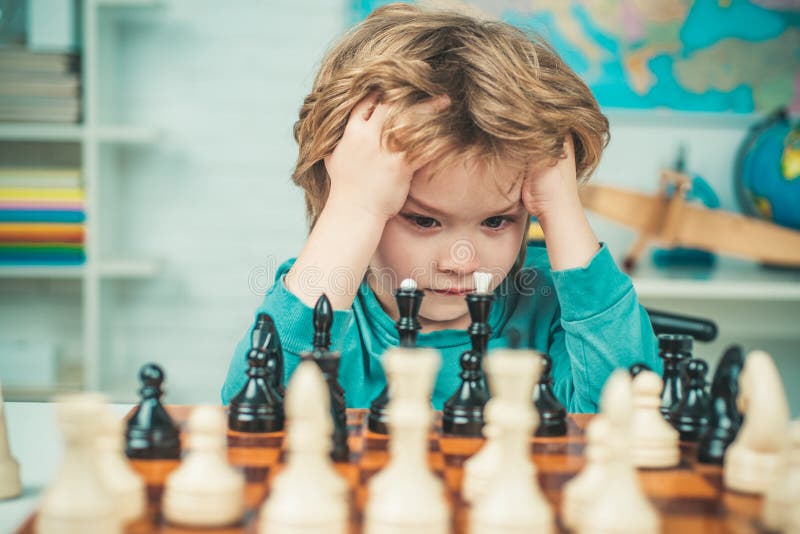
(513,99)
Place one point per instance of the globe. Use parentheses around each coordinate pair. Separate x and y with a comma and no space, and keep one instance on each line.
(768,171)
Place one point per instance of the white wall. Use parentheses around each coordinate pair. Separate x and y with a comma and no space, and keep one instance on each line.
(213,199)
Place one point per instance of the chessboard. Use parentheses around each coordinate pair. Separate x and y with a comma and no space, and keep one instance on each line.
(689,498)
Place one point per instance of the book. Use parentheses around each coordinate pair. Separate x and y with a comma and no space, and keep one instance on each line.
(41,232)
(60,172)
(39,84)
(54,182)
(20,59)
(23,194)
(41,216)
(67,111)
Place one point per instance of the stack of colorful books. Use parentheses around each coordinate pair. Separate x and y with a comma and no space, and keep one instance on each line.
(41,216)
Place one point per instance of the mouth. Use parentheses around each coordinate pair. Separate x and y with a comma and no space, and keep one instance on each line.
(451,292)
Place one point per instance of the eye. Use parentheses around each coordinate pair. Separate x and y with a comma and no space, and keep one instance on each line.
(421,221)
(498,222)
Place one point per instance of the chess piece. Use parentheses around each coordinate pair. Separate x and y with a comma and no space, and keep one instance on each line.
(724,419)
(275,361)
(512,500)
(258,407)
(77,501)
(308,495)
(151,432)
(462,414)
(409,299)
(690,417)
(514,338)
(482,466)
(204,491)
(654,442)
(328,362)
(783,495)
(752,460)
(125,485)
(581,489)
(10,482)
(673,349)
(406,496)
(620,490)
(552,414)
(637,368)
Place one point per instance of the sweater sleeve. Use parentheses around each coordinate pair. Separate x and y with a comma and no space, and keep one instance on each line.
(294,322)
(601,327)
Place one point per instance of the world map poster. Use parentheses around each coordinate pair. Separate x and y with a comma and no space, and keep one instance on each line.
(740,56)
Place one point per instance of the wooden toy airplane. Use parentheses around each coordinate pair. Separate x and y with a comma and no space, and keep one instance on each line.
(668,220)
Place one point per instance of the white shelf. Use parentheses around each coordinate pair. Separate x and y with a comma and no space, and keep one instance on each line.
(126,3)
(42,271)
(10,131)
(38,393)
(126,134)
(731,280)
(119,269)
(127,268)
(77,132)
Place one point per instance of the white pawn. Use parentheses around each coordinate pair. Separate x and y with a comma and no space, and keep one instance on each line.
(10,483)
(783,496)
(406,496)
(582,489)
(205,491)
(621,507)
(513,503)
(308,495)
(655,442)
(125,485)
(482,466)
(752,460)
(77,502)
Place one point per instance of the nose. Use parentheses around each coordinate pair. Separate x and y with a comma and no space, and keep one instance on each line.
(460,257)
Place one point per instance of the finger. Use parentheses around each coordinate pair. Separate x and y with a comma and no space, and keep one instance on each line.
(432,105)
(363,109)
(426,107)
(569,146)
(379,115)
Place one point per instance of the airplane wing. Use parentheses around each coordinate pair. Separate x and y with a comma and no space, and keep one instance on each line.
(729,233)
(636,210)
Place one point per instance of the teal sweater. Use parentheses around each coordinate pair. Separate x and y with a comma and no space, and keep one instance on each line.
(587,319)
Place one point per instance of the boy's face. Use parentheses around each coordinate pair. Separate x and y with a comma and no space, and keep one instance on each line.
(451,226)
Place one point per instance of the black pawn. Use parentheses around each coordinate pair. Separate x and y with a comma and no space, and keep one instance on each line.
(258,407)
(725,419)
(673,349)
(690,417)
(637,368)
(151,433)
(408,303)
(275,361)
(514,338)
(552,414)
(463,411)
(328,363)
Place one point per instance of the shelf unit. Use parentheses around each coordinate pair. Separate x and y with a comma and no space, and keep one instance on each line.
(729,280)
(99,134)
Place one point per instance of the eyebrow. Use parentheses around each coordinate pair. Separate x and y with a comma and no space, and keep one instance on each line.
(440,213)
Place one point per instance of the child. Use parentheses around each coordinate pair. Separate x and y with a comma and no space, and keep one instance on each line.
(428,141)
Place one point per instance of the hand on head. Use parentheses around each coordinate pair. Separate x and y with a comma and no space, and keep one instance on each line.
(546,188)
(364,172)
